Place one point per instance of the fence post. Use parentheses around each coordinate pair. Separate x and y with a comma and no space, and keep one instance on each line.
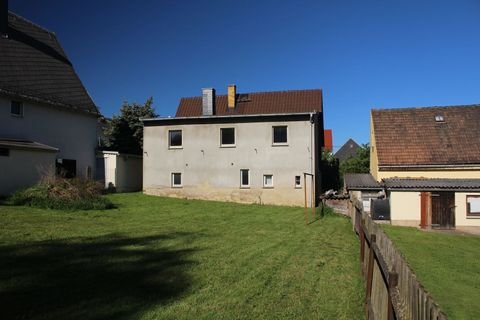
(392,283)
(371,259)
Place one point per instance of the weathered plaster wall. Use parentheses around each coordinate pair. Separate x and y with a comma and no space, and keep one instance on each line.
(212,172)
(73,133)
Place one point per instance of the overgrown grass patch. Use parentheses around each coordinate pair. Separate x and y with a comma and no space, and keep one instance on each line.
(446,264)
(54,192)
(161,258)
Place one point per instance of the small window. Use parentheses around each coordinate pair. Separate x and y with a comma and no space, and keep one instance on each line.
(176,180)
(439,118)
(175,138)
(298,182)
(244,178)
(473,206)
(268,181)
(4,152)
(16,108)
(280,135)
(227,137)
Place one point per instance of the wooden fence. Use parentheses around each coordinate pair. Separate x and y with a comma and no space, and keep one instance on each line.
(392,289)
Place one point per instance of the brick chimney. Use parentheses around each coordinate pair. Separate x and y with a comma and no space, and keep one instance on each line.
(232,94)
(4,18)
(208,101)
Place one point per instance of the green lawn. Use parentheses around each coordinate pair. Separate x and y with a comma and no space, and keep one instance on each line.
(446,264)
(160,258)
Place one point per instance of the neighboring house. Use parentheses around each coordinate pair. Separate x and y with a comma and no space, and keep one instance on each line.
(328,140)
(428,159)
(47,118)
(251,147)
(348,150)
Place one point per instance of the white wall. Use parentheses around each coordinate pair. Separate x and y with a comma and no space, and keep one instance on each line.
(73,133)
(23,168)
(405,208)
(461,218)
(212,172)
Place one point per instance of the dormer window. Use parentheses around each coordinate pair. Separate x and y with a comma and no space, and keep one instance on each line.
(439,118)
(16,108)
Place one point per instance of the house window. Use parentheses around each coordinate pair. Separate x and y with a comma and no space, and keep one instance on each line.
(4,152)
(298,182)
(280,135)
(244,178)
(174,139)
(227,137)
(268,180)
(473,206)
(176,180)
(16,108)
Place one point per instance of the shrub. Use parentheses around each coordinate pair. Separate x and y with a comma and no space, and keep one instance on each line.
(55,192)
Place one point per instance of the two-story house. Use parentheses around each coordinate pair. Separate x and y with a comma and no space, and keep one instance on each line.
(261,147)
(428,160)
(47,118)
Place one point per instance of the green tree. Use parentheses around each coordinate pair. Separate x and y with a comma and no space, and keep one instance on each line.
(360,163)
(124,133)
(330,172)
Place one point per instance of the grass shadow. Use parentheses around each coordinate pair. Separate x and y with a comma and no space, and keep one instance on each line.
(109,277)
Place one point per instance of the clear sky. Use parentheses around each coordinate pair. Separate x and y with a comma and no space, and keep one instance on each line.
(363,54)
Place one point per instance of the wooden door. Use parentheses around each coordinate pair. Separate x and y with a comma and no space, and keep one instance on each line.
(443,209)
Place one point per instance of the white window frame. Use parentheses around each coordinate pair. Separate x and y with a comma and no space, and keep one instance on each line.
(232,145)
(172,177)
(244,186)
(169,140)
(265,185)
(22,111)
(299,185)
(273,136)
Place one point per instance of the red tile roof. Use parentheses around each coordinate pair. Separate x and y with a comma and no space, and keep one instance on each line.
(412,136)
(295,101)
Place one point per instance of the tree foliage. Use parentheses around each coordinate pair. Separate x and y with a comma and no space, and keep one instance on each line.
(330,172)
(124,133)
(360,163)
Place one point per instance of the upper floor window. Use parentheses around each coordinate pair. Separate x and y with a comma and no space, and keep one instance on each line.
(227,137)
(174,138)
(280,135)
(16,108)
(473,206)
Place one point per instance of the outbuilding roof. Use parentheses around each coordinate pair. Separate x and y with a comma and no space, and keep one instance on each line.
(25,144)
(294,101)
(432,136)
(431,184)
(361,181)
(33,66)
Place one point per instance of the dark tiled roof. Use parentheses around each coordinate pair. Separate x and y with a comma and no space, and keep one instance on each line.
(412,136)
(294,101)
(25,144)
(432,184)
(349,149)
(361,181)
(34,66)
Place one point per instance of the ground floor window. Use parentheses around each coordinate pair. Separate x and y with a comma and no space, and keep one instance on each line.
(176,179)
(268,181)
(244,178)
(473,206)
(298,182)
(66,168)
(4,152)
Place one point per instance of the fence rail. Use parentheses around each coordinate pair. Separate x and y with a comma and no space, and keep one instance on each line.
(392,289)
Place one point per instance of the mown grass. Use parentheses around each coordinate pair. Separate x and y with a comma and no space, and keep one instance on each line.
(446,264)
(160,258)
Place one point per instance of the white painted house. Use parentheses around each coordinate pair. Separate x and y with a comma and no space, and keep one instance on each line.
(252,148)
(47,118)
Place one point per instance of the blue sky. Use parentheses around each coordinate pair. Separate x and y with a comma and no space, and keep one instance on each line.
(363,54)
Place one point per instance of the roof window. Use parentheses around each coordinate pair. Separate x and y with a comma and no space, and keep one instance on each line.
(439,118)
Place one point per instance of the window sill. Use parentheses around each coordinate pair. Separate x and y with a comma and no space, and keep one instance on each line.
(228,146)
(177,187)
(298,187)
(175,148)
(473,217)
(16,115)
(279,144)
(267,187)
